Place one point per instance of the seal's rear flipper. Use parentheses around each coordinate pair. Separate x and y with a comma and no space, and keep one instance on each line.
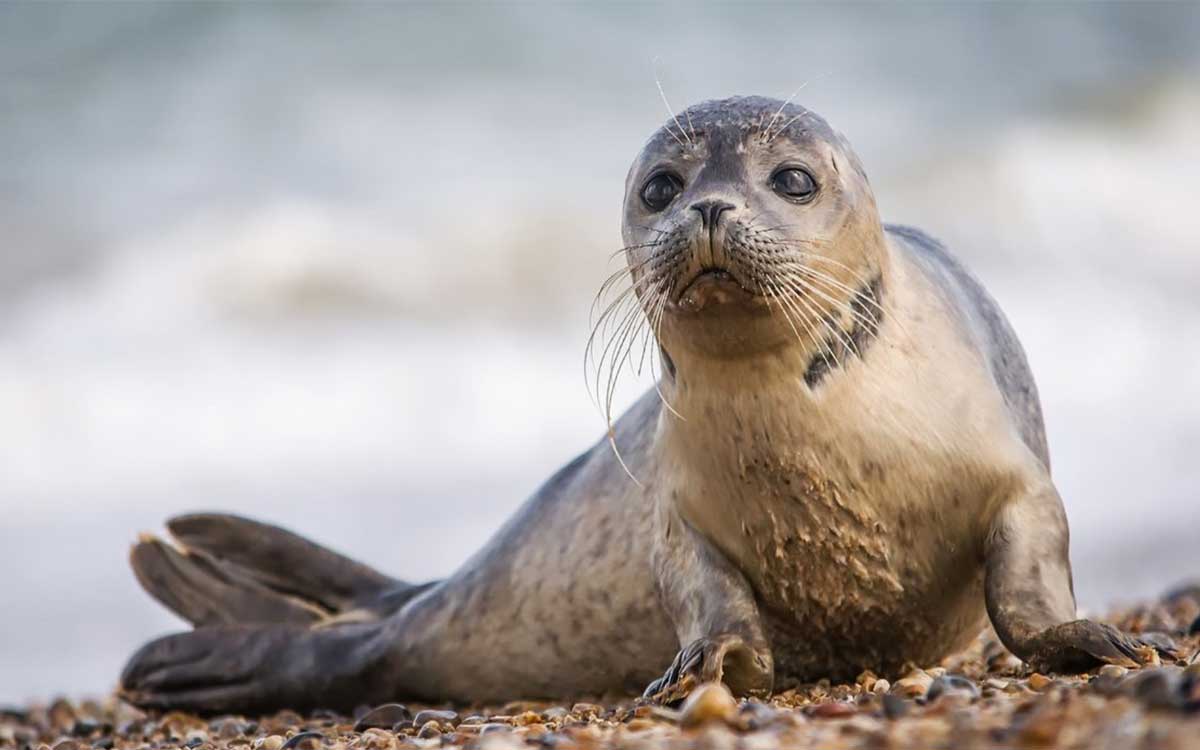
(205,592)
(282,561)
(230,570)
(260,669)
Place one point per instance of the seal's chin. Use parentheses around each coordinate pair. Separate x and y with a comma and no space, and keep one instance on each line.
(713,288)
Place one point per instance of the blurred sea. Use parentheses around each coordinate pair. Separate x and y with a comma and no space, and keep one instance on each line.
(331,265)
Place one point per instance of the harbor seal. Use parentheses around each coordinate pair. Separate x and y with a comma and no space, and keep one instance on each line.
(842,467)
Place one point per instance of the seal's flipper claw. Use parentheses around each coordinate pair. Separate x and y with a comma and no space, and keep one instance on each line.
(281,560)
(245,669)
(726,658)
(204,592)
(1083,645)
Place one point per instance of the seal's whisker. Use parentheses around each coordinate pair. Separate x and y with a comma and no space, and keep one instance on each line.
(835,332)
(779,111)
(772,296)
(866,319)
(785,126)
(670,111)
(833,318)
(819,342)
(614,347)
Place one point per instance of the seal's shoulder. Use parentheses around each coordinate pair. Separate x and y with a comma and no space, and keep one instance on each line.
(1006,357)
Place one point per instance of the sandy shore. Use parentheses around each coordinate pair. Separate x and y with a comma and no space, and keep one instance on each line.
(981,698)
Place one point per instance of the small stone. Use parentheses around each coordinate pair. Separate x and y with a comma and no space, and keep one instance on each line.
(525,718)
(429,729)
(375,738)
(494,726)
(894,707)
(304,741)
(555,712)
(709,702)
(913,685)
(84,728)
(270,742)
(641,725)
(448,718)
(881,686)
(755,715)
(1039,681)
(66,745)
(952,684)
(384,717)
(587,709)
(228,729)
(834,710)
(1156,688)
(1113,671)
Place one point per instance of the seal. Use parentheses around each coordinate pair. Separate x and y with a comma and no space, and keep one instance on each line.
(842,467)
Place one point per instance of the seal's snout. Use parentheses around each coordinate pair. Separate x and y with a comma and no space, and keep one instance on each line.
(710,212)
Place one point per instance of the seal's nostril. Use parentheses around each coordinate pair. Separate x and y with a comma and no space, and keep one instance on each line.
(710,211)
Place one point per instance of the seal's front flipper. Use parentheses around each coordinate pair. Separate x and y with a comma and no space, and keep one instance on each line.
(715,616)
(245,669)
(1030,597)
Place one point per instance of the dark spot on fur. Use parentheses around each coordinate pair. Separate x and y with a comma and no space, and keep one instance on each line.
(865,319)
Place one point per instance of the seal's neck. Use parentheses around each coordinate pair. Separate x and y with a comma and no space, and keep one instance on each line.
(838,334)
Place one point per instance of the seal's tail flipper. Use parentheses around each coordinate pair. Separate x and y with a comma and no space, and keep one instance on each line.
(233,570)
(205,592)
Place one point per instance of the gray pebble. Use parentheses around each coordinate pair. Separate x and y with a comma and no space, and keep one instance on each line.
(1156,688)
(894,707)
(384,717)
(952,683)
(441,717)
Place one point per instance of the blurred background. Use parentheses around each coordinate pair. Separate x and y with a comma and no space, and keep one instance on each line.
(332,265)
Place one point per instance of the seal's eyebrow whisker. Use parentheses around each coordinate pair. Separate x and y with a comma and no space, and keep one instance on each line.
(779,111)
(671,111)
(785,126)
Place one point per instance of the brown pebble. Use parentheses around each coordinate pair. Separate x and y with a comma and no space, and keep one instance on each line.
(913,685)
(1039,681)
(66,745)
(711,701)
(587,709)
(834,710)
(526,718)
(429,729)
(641,725)
(270,742)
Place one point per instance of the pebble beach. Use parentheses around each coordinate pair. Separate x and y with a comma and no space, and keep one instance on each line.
(981,698)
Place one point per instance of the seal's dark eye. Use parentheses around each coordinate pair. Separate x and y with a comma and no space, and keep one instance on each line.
(660,190)
(794,184)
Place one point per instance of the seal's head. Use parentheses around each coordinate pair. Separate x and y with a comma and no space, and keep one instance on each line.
(749,225)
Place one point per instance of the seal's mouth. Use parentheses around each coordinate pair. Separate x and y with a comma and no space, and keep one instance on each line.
(713,286)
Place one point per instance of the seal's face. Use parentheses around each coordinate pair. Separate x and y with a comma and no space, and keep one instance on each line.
(748,224)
